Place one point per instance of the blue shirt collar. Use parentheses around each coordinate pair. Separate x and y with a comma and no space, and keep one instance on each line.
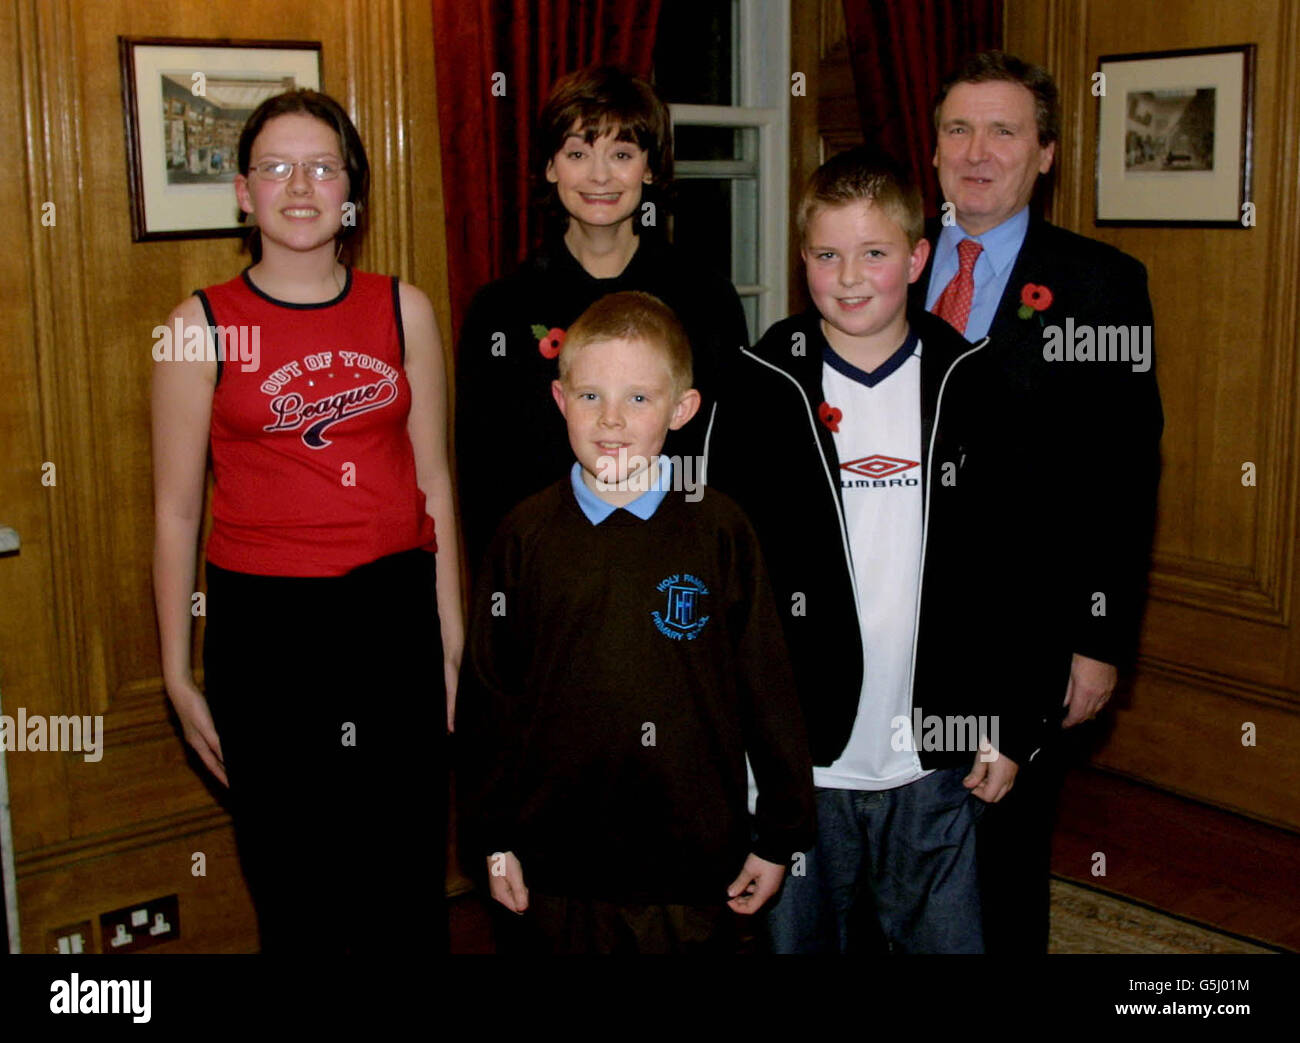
(644,506)
(1001,244)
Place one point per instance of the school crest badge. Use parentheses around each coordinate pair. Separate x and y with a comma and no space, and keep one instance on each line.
(684,614)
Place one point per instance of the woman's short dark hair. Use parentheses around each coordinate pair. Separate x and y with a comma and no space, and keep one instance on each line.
(331,113)
(596,100)
(991,66)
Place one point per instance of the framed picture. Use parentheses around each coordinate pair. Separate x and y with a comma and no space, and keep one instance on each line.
(1174,137)
(185,102)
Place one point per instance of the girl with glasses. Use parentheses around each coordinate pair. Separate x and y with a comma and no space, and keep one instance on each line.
(333,619)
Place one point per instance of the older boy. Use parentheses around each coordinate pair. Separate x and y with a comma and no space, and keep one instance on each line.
(850,441)
(624,657)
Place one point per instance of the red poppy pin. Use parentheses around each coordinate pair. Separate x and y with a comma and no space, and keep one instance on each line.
(1033,298)
(830,416)
(549,342)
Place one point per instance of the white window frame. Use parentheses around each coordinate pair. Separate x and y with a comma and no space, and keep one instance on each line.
(761,48)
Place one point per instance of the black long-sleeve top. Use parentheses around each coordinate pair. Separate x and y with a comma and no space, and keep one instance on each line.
(616,676)
(510,438)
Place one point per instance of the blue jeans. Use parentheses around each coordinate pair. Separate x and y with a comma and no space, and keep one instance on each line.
(892,870)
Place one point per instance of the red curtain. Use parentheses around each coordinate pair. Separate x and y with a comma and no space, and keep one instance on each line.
(487,137)
(901,50)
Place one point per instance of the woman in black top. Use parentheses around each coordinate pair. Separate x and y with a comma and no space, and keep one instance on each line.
(605,143)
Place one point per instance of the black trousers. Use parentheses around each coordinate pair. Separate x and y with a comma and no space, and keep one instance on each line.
(1014,850)
(329,702)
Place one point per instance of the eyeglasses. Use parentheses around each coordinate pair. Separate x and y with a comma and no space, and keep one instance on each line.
(282,170)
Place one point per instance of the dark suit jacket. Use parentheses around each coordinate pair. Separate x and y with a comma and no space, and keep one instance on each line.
(1076,445)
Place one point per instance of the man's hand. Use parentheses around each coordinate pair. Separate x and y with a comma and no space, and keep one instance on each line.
(506,881)
(1091,683)
(991,779)
(758,881)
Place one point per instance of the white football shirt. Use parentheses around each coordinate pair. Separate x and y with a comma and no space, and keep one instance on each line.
(879,447)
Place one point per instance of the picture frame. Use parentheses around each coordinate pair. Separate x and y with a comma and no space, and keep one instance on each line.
(1175,137)
(184,103)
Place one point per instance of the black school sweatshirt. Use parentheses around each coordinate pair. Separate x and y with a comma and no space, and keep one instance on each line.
(615,678)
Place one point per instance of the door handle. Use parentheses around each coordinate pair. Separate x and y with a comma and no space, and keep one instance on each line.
(9,541)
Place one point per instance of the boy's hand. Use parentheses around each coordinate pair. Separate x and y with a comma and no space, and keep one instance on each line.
(506,881)
(991,780)
(758,881)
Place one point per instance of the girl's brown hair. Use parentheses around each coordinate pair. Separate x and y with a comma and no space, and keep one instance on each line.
(331,113)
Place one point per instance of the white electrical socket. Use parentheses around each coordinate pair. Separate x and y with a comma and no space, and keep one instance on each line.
(135,926)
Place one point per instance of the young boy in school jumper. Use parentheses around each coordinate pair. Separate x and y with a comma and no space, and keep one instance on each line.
(852,441)
(624,657)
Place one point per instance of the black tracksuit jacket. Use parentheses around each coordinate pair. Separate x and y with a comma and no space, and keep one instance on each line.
(769,450)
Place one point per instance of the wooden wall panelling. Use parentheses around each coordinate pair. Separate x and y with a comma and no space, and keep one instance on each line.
(827,122)
(28,638)
(838,118)
(1220,642)
(374,86)
(44,677)
(420,152)
(1182,732)
(72,882)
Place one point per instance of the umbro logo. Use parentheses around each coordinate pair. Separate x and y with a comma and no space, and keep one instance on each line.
(878,466)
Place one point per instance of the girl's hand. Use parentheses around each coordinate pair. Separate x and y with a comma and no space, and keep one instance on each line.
(196,721)
(450,675)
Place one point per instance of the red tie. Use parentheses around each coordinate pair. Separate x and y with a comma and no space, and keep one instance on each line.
(953,305)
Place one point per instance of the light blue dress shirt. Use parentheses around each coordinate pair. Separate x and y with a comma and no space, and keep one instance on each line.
(644,506)
(992,268)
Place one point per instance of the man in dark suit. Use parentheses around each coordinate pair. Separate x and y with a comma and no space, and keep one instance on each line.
(1074,420)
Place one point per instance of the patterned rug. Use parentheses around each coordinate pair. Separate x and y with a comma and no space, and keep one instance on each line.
(1084,920)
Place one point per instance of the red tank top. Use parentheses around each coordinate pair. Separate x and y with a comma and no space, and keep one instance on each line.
(313,471)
